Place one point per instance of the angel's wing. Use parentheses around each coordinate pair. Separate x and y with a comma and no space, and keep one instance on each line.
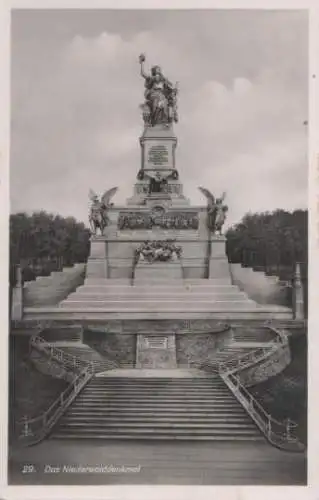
(108,195)
(92,195)
(210,197)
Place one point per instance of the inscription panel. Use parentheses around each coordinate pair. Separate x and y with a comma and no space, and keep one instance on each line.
(156,342)
(154,351)
(158,155)
(169,188)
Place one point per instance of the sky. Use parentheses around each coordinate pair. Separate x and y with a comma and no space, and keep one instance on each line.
(76,91)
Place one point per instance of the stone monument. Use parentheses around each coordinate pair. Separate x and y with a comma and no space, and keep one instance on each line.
(158,257)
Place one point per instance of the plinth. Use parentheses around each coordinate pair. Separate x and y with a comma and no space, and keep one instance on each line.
(97,265)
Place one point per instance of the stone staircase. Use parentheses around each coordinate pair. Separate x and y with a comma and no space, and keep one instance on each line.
(252,334)
(228,353)
(153,296)
(86,353)
(50,290)
(68,334)
(159,295)
(157,408)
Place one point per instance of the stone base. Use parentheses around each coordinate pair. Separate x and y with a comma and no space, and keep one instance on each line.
(96,268)
(156,352)
(218,262)
(98,247)
(151,272)
(97,265)
(219,269)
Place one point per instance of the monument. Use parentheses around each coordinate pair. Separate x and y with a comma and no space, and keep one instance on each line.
(158,257)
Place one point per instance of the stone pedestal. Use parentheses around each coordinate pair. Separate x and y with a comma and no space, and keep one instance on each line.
(158,148)
(157,271)
(158,174)
(218,262)
(97,265)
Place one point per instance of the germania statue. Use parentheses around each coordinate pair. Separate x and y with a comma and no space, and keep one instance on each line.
(216,211)
(160,105)
(98,217)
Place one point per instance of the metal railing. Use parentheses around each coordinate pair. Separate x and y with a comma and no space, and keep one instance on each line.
(247,359)
(255,355)
(281,434)
(65,358)
(33,430)
(284,434)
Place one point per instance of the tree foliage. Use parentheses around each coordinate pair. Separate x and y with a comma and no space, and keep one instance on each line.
(273,241)
(43,242)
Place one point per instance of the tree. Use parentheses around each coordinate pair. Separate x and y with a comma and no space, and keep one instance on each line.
(41,242)
(270,240)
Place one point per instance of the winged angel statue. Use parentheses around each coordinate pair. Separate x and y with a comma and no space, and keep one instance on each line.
(98,211)
(216,211)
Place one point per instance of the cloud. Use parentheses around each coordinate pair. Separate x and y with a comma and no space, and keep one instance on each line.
(76,124)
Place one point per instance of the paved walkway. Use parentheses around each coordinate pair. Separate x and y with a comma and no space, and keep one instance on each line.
(180,463)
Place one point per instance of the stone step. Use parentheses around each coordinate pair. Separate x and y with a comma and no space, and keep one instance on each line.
(155,405)
(149,295)
(183,383)
(73,334)
(160,291)
(156,288)
(206,298)
(149,392)
(158,421)
(131,388)
(160,306)
(125,281)
(78,435)
(158,387)
(150,281)
(153,398)
(141,432)
(237,427)
(166,413)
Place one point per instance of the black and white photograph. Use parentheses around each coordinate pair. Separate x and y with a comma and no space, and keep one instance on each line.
(158,233)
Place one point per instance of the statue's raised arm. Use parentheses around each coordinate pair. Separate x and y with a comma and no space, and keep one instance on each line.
(141,61)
